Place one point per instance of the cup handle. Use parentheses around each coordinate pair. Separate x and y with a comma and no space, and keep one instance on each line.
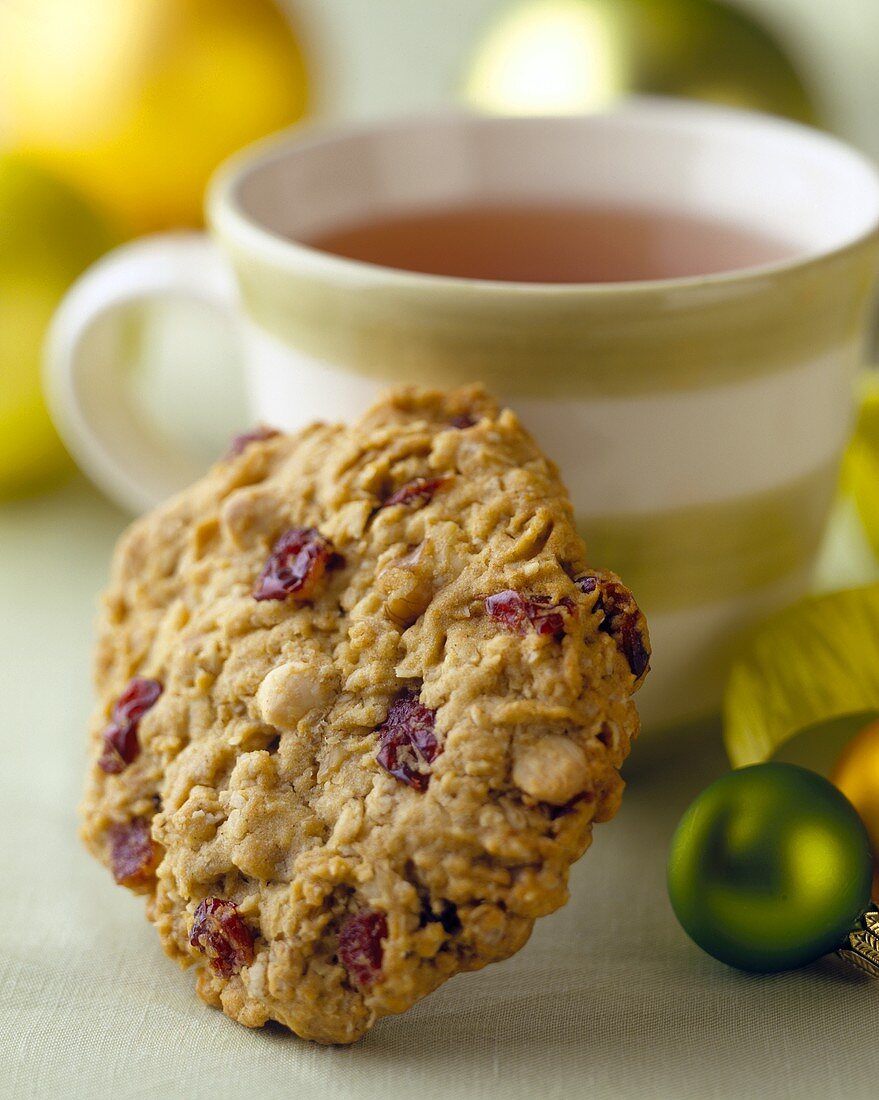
(84,376)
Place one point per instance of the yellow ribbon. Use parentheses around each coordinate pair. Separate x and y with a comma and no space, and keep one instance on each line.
(816,662)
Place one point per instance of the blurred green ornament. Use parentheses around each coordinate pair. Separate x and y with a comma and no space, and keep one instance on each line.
(570,56)
(48,235)
(770,868)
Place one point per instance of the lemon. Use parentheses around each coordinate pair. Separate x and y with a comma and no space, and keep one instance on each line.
(568,56)
(137,101)
(48,235)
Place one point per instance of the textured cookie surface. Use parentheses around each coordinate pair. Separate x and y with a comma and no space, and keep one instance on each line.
(361,700)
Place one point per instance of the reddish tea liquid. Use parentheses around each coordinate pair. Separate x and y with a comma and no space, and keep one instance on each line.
(553,243)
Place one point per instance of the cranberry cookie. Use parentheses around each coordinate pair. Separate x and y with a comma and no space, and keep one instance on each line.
(361,701)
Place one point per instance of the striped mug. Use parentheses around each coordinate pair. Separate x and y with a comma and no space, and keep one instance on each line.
(698,422)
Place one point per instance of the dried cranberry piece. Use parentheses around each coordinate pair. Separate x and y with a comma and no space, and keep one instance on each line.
(298,561)
(360,945)
(133,855)
(219,932)
(121,748)
(587,583)
(121,745)
(420,491)
(462,421)
(407,743)
(622,619)
(240,443)
(632,644)
(518,612)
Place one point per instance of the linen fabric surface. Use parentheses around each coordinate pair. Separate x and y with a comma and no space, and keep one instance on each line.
(609,998)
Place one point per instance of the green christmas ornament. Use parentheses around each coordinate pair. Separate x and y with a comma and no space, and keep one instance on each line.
(770,868)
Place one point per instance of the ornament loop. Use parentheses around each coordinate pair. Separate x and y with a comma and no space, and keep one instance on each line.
(861,949)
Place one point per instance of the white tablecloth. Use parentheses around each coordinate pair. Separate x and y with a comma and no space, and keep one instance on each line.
(609,999)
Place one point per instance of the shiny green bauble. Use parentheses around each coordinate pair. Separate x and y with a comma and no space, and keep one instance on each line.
(769,868)
(568,56)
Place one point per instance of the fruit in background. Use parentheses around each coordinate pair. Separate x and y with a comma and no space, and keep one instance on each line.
(48,234)
(569,56)
(137,101)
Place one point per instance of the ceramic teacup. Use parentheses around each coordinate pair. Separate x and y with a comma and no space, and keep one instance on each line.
(698,422)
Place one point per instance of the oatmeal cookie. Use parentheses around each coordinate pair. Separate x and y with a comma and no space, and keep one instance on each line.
(361,701)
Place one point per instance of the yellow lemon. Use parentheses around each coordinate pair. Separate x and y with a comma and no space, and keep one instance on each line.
(48,235)
(568,56)
(137,101)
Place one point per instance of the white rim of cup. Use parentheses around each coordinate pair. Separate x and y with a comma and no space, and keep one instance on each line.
(226,215)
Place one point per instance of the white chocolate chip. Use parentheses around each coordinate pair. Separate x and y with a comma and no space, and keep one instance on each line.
(553,769)
(290,691)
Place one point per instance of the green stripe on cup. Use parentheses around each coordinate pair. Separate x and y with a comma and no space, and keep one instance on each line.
(712,552)
(564,343)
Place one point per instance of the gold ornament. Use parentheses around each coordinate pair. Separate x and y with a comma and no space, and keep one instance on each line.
(570,56)
(862,947)
(856,774)
(137,101)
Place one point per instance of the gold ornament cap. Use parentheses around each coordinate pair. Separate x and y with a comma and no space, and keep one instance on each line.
(861,949)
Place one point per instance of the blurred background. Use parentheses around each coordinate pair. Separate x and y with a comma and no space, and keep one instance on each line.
(375,47)
(114,112)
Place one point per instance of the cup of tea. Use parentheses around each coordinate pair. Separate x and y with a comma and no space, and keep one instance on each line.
(672,296)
